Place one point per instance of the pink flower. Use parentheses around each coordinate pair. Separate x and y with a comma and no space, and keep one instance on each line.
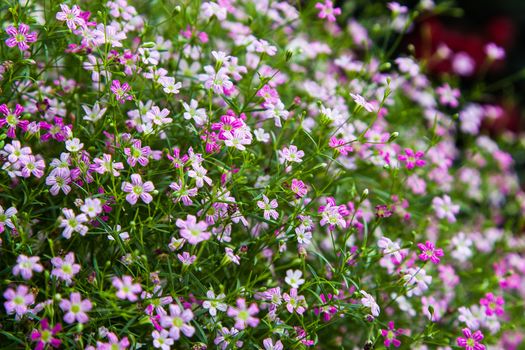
(463,64)
(471,341)
(138,189)
(191,230)
(121,91)
(429,251)
(137,153)
(65,269)
(73,223)
(178,321)
(444,208)
(360,101)
(126,288)
(290,154)
(12,119)
(493,305)
(18,301)
(114,343)
(75,308)
(494,52)
(269,208)
(340,145)
(26,265)
(46,335)
(294,302)
(390,335)
(105,164)
(30,165)
(327,10)
(59,179)
(412,159)
(20,36)
(244,316)
(448,96)
(72,17)
(186,258)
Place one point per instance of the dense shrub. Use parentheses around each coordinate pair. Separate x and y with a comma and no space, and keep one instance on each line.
(249,174)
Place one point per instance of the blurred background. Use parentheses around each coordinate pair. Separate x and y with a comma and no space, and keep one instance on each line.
(467,27)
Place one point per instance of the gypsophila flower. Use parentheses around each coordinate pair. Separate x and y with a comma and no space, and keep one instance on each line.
(65,268)
(430,252)
(244,315)
(138,189)
(126,288)
(192,231)
(369,301)
(471,341)
(72,16)
(214,303)
(20,36)
(46,335)
(73,223)
(293,278)
(75,309)
(25,266)
(445,209)
(177,322)
(269,208)
(327,10)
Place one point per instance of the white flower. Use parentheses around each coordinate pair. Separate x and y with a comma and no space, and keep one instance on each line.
(293,278)
(214,303)
(74,145)
(95,113)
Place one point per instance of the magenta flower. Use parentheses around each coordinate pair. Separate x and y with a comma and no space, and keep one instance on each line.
(121,91)
(18,301)
(20,36)
(390,335)
(326,310)
(244,316)
(412,159)
(45,335)
(471,341)
(65,269)
(191,230)
(178,321)
(138,189)
(327,10)
(137,153)
(26,265)
(299,188)
(12,119)
(126,288)
(430,252)
(75,308)
(493,305)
